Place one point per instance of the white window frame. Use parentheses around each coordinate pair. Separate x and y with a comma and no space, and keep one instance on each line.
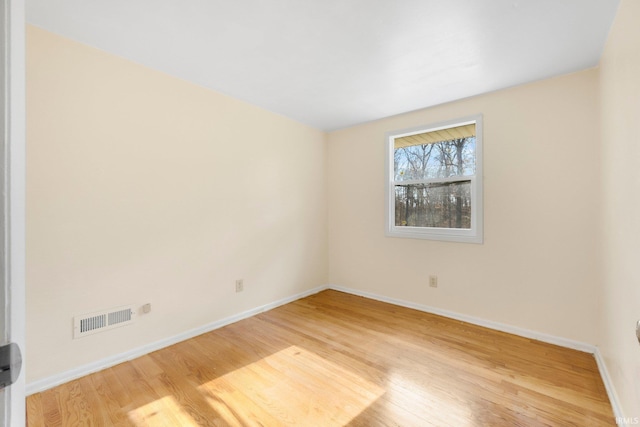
(472,235)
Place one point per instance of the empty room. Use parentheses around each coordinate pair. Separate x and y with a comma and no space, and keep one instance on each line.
(332,213)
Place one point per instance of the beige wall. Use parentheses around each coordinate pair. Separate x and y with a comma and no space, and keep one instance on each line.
(620,104)
(144,188)
(538,267)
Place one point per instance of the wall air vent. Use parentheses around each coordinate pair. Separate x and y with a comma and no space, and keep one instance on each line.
(99,321)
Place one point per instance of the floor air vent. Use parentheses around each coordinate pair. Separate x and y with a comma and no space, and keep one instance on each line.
(92,323)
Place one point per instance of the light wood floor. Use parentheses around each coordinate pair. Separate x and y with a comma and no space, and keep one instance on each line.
(334,359)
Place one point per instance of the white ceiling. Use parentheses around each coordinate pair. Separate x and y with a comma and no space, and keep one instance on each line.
(335,63)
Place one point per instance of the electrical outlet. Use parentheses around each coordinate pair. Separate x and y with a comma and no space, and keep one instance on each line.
(239,285)
(146,308)
(433,281)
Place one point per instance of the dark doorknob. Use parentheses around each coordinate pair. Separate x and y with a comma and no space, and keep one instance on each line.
(10,364)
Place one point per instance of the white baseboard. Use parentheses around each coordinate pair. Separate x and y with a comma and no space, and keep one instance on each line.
(63,377)
(515,330)
(526,333)
(98,365)
(608,385)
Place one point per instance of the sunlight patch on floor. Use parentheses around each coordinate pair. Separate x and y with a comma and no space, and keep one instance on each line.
(431,401)
(287,387)
(162,412)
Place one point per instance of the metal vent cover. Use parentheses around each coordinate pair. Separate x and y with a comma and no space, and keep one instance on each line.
(91,323)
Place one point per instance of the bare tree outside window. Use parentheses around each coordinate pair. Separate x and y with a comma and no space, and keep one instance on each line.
(434,204)
(435,181)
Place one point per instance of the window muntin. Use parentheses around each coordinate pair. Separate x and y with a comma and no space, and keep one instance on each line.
(434,182)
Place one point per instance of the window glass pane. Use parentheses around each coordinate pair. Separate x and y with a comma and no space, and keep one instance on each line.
(455,157)
(440,205)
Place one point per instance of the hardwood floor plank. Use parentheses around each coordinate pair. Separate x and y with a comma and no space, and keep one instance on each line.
(35,410)
(50,407)
(334,359)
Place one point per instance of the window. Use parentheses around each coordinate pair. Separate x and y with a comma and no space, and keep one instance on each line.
(434,176)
